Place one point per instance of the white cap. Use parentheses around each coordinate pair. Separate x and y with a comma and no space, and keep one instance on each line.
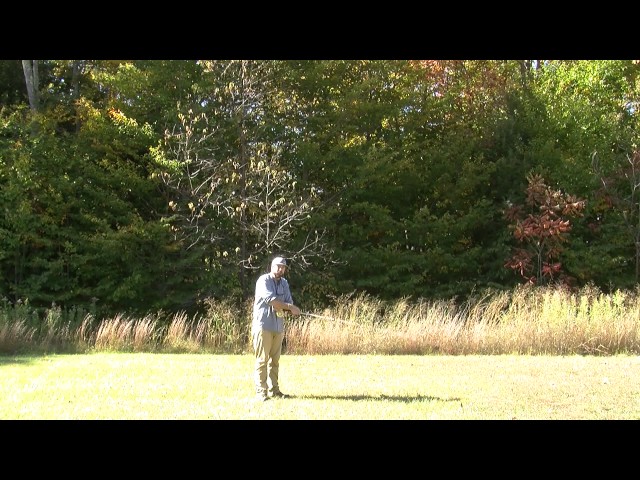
(278,261)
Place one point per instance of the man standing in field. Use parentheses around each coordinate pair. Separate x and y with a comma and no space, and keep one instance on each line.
(272,299)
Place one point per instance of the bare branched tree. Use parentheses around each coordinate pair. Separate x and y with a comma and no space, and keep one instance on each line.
(229,186)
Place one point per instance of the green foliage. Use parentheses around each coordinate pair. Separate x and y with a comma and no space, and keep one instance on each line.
(156,184)
(12,89)
(83,230)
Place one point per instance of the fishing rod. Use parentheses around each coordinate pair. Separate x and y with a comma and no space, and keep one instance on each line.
(324,317)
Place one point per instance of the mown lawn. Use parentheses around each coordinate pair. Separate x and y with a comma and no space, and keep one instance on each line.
(150,386)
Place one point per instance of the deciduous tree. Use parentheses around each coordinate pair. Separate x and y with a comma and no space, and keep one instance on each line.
(541,226)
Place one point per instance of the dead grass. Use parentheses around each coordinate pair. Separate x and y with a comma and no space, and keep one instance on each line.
(526,321)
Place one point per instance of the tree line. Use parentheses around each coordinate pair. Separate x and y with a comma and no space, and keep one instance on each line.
(146,185)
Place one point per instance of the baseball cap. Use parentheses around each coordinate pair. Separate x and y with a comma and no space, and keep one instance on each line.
(279,261)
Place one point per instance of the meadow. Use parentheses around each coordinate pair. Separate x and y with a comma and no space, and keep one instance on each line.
(528,354)
(525,321)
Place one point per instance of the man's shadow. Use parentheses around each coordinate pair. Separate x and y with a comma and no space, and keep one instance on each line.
(392,398)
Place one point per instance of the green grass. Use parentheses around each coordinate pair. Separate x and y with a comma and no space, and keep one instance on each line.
(325,387)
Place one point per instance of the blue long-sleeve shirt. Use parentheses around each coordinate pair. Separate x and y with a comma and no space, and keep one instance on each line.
(267,290)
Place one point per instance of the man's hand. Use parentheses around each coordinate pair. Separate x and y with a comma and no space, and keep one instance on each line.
(279,306)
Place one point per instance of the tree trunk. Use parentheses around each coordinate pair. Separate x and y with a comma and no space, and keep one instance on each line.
(75,88)
(30,68)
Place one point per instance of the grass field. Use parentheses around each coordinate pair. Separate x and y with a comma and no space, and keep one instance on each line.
(530,354)
(147,386)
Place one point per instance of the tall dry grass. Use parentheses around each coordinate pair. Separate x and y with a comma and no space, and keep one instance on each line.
(526,320)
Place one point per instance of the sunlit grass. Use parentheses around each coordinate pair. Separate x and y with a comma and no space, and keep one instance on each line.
(141,386)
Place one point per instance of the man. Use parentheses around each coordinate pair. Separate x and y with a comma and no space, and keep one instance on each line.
(272,299)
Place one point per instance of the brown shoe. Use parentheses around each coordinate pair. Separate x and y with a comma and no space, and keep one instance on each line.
(279,394)
(261,397)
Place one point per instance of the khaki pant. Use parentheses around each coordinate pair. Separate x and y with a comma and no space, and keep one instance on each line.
(267,347)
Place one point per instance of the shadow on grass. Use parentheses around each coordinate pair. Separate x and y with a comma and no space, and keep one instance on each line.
(6,360)
(386,398)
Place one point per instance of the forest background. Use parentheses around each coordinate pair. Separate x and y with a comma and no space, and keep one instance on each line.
(165,185)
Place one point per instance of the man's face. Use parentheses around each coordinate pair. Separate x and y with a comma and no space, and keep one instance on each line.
(278,270)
